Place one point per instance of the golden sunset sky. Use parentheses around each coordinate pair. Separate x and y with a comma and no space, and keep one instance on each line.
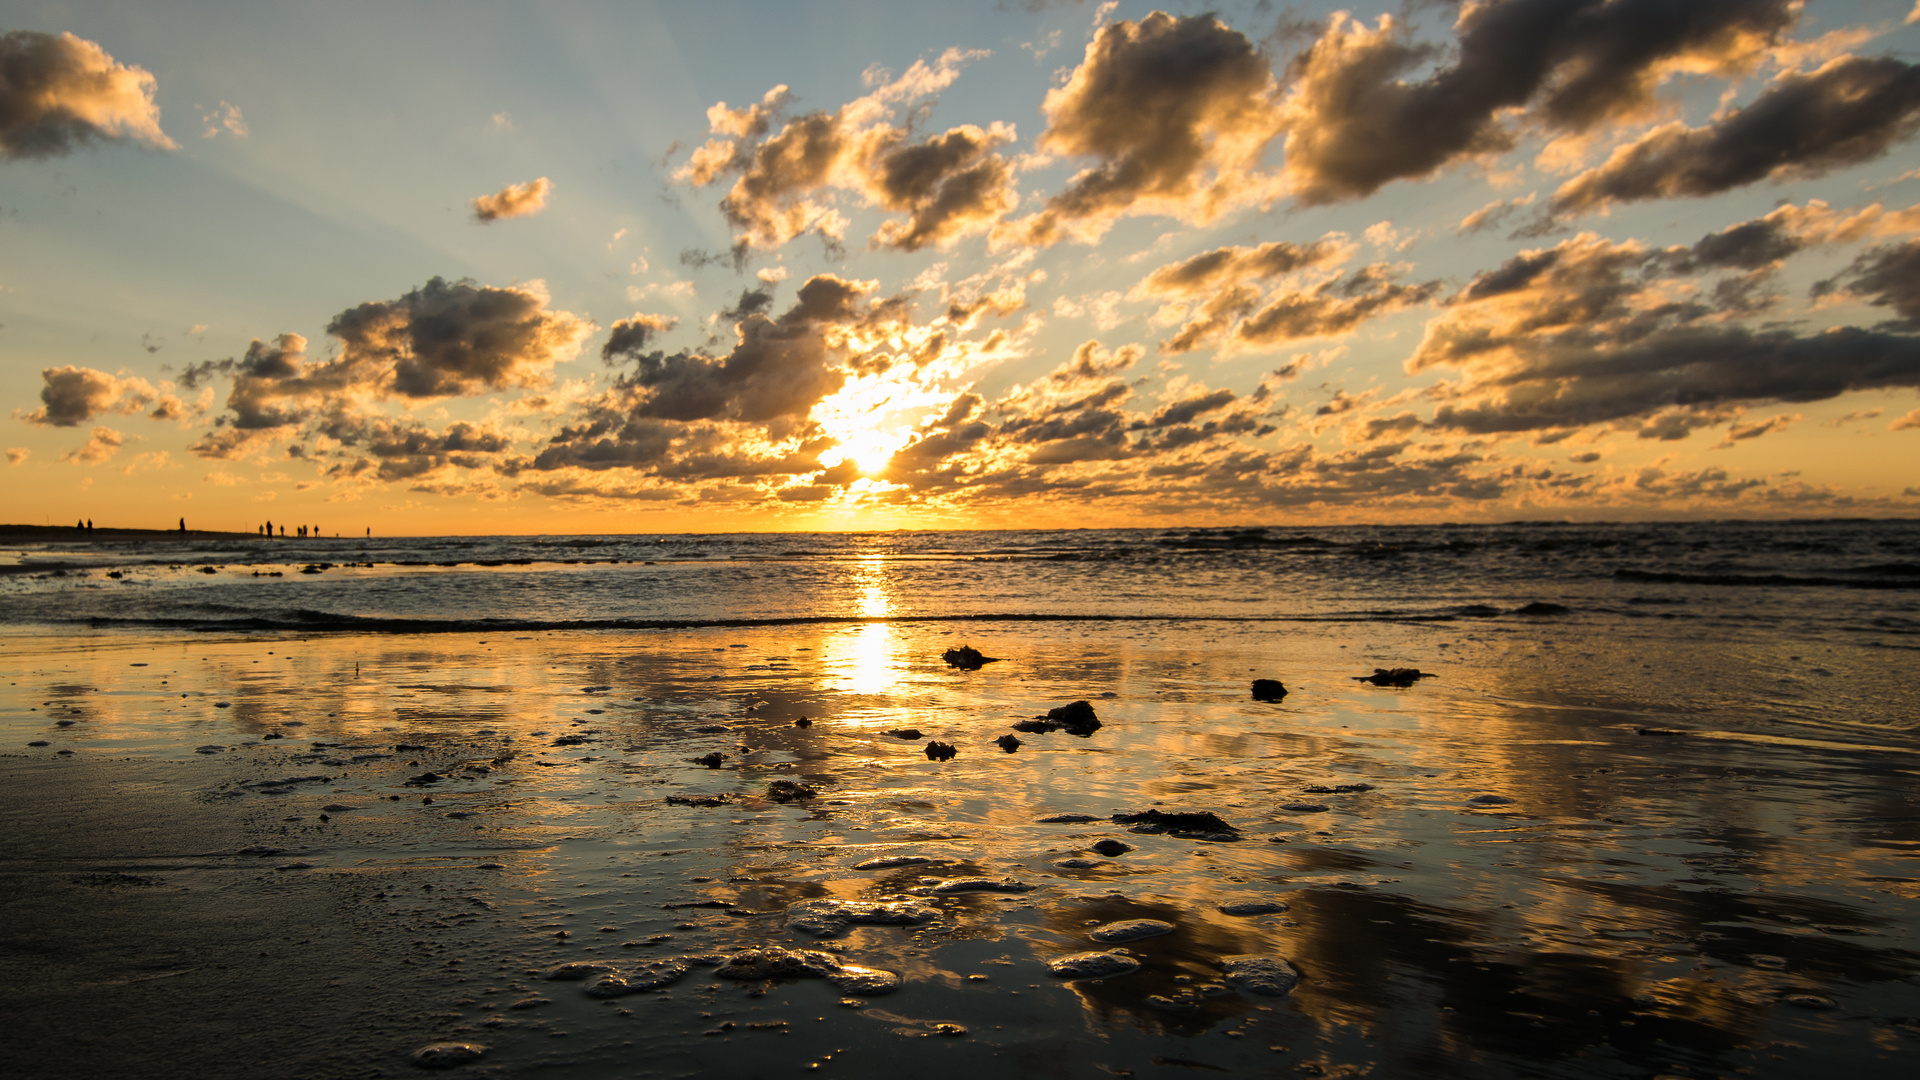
(471,268)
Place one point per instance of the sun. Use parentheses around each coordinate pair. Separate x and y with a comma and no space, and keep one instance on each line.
(873,416)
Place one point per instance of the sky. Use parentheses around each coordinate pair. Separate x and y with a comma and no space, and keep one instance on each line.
(499,268)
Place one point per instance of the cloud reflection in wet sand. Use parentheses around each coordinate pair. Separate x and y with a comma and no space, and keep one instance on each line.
(1640,903)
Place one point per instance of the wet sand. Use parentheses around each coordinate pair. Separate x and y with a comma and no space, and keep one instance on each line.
(1493,872)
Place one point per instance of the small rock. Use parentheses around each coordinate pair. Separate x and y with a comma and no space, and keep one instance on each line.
(1490,800)
(863,981)
(1066,819)
(1077,864)
(939,751)
(982,884)
(1659,731)
(803,722)
(774,962)
(711,761)
(910,734)
(787,791)
(337,808)
(1196,825)
(1093,965)
(949,1030)
(1304,808)
(626,979)
(39,742)
(530,1003)
(445,1055)
(1008,742)
(891,861)
(1112,848)
(1268,690)
(1130,930)
(1253,907)
(966,658)
(1338,789)
(1265,975)
(1400,676)
(830,918)
(424,779)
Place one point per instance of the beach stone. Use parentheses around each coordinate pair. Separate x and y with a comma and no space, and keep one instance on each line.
(908,733)
(1253,907)
(1077,864)
(940,751)
(949,1030)
(982,884)
(1008,742)
(863,981)
(830,918)
(774,962)
(1337,789)
(1195,825)
(1131,930)
(336,808)
(788,791)
(1490,800)
(1541,607)
(1400,676)
(1112,848)
(446,1055)
(1093,965)
(966,658)
(626,979)
(1304,808)
(1067,819)
(888,862)
(1267,975)
(39,742)
(1268,690)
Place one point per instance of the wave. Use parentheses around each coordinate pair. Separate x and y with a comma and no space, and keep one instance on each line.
(1902,581)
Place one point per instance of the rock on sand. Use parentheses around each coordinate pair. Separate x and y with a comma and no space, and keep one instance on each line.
(1093,965)
(445,1055)
(1268,975)
(1131,930)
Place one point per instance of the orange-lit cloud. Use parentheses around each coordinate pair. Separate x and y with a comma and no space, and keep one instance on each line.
(512,201)
(1176,113)
(59,92)
(73,395)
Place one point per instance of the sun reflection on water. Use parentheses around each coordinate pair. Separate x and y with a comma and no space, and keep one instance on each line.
(866,660)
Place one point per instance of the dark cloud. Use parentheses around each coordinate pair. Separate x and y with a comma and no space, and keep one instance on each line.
(1886,276)
(1354,123)
(1573,336)
(752,302)
(59,92)
(447,338)
(1847,112)
(1177,112)
(71,396)
(630,336)
(1244,317)
(1211,270)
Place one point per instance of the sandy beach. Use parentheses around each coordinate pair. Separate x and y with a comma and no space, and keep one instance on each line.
(240,855)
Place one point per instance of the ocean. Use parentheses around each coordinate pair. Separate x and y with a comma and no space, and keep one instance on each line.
(1649,807)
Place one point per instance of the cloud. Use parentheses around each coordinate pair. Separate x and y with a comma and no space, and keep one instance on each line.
(1177,111)
(1847,112)
(101,445)
(1753,430)
(17,454)
(1228,308)
(512,201)
(948,186)
(1908,422)
(226,118)
(1573,336)
(1494,214)
(60,92)
(73,395)
(1354,124)
(1886,276)
(444,339)
(631,336)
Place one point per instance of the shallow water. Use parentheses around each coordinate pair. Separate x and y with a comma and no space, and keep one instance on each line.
(1528,886)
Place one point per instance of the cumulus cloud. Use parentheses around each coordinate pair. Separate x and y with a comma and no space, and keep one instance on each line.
(947,186)
(631,336)
(1355,124)
(59,92)
(512,201)
(1908,422)
(1849,111)
(1577,335)
(226,118)
(71,396)
(444,339)
(1228,306)
(1177,112)
(101,445)
(17,454)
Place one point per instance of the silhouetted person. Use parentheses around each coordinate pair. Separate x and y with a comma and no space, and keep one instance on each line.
(81,524)
(183,524)
(283,531)
(89,524)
